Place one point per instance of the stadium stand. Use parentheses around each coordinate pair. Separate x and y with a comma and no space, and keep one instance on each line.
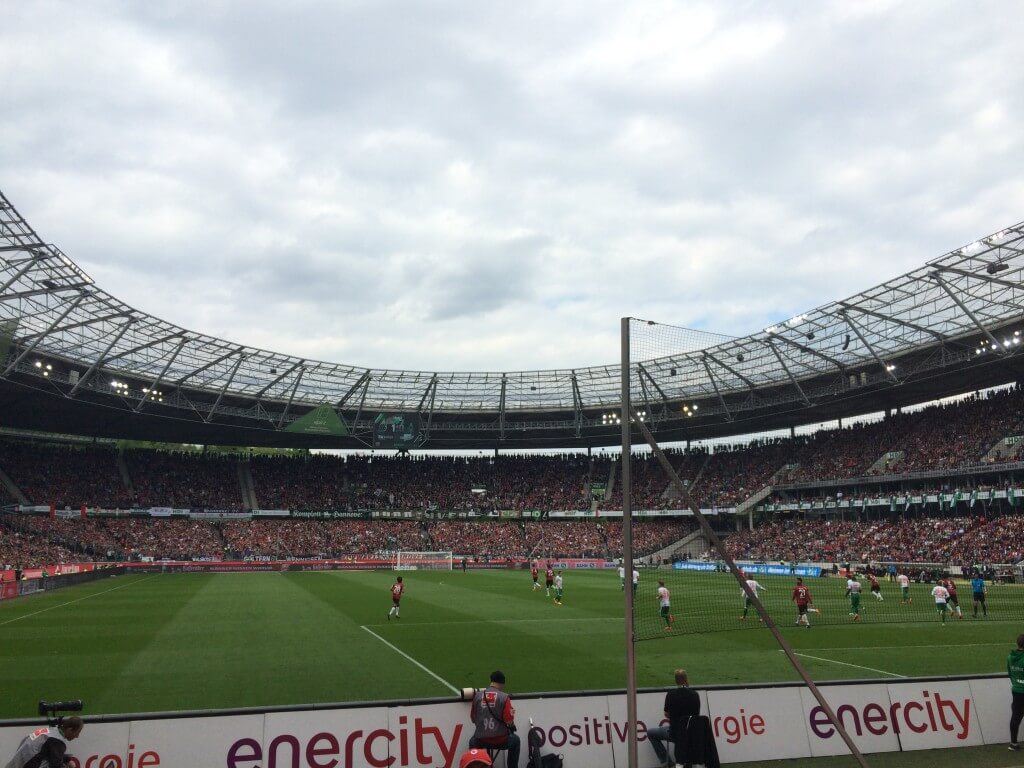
(967,435)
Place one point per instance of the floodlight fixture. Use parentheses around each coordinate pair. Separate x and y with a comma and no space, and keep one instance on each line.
(996,267)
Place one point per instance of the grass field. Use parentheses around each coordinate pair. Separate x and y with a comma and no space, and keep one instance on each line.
(198,641)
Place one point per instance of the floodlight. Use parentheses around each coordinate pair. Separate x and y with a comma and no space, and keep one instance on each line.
(997,267)
(39,364)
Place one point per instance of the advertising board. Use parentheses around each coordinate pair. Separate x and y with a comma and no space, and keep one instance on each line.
(767,723)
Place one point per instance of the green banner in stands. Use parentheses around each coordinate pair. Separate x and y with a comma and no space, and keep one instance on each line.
(320,421)
(7,331)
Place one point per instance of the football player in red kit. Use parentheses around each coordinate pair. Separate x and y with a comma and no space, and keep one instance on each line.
(397,589)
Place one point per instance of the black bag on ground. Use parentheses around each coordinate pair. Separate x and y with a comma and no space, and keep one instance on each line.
(534,740)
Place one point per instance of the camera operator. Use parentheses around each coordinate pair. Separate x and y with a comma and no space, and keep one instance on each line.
(494,718)
(47,746)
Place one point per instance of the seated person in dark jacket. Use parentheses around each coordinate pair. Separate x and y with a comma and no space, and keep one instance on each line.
(680,703)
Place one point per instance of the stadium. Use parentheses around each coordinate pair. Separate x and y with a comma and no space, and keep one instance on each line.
(154,565)
(448,384)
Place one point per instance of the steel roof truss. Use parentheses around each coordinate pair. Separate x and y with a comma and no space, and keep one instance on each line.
(167,366)
(661,393)
(956,300)
(80,324)
(714,384)
(208,365)
(810,351)
(935,334)
(102,358)
(856,329)
(730,369)
(367,378)
(282,376)
(785,367)
(291,396)
(501,408)
(28,350)
(18,275)
(430,414)
(360,382)
(577,405)
(987,278)
(241,356)
(44,291)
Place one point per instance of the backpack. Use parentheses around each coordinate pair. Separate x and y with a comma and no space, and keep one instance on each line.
(534,740)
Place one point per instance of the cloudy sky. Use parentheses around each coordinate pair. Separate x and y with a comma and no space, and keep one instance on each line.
(483,185)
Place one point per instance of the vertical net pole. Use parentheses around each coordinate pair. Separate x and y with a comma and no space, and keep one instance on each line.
(627,549)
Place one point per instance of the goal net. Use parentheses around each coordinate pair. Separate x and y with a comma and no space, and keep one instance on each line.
(423,561)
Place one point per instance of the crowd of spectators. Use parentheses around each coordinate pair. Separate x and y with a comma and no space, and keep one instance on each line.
(135,538)
(960,539)
(65,475)
(321,538)
(21,547)
(935,438)
(185,480)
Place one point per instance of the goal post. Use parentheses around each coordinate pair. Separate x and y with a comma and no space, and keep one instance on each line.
(423,561)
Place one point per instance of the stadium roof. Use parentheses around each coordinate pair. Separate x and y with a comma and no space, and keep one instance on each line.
(79,359)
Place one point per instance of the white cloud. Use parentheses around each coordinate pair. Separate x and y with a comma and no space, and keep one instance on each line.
(487,186)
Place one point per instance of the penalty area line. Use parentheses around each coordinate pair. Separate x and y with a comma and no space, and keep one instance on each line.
(410,658)
(80,599)
(846,664)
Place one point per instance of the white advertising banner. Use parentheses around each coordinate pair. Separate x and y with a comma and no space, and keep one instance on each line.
(355,738)
(99,744)
(992,707)
(749,724)
(650,713)
(758,724)
(863,710)
(934,715)
(189,741)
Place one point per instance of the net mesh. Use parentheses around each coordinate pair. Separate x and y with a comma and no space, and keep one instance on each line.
(703,596)
(423,561)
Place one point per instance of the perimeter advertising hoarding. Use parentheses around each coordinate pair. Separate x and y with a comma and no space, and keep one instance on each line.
(750,568)
(862,709)
(931,715)
(753,723)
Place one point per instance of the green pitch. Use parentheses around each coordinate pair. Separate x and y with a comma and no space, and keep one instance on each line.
(167,642)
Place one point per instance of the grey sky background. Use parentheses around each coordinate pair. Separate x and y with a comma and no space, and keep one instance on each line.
(470,186)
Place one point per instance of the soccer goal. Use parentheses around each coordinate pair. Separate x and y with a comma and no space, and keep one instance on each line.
(423,561)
